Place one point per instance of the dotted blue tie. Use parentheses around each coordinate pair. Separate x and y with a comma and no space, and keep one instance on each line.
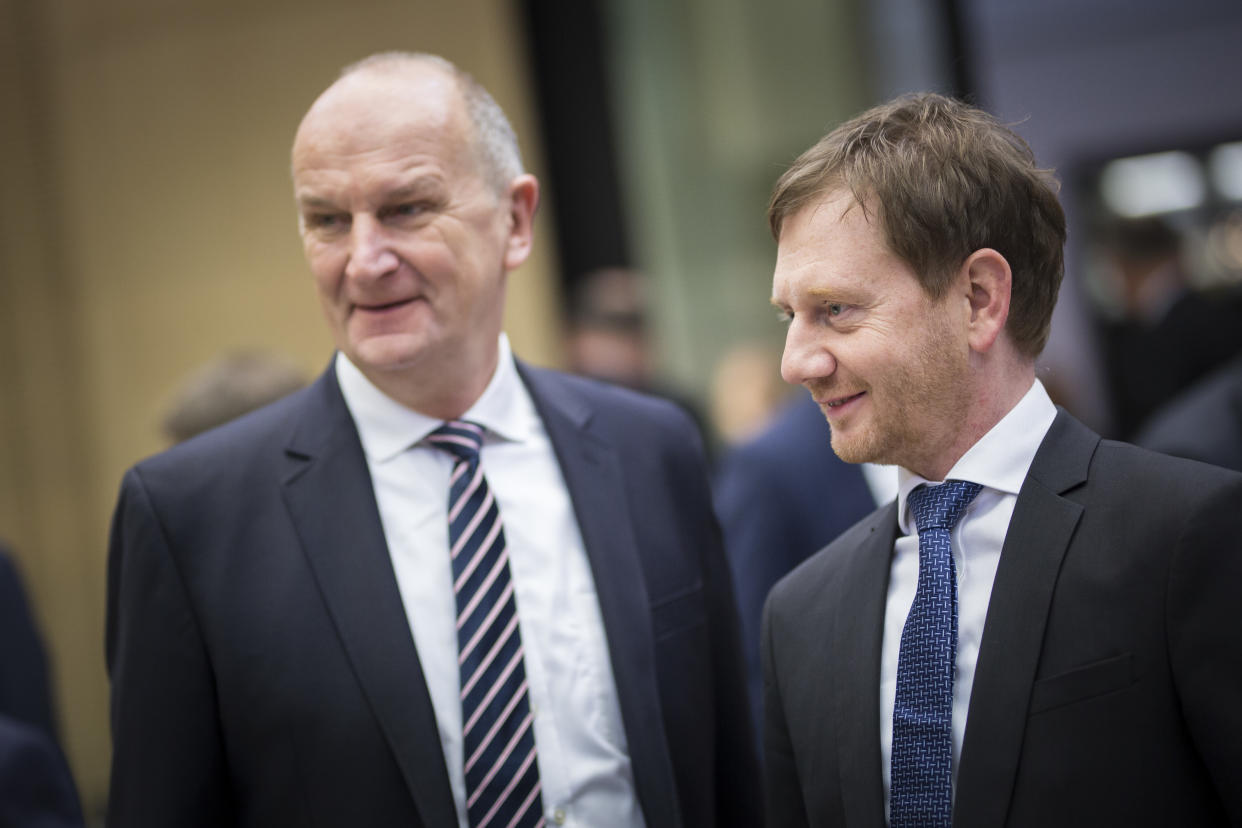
(498,738)
(921,789)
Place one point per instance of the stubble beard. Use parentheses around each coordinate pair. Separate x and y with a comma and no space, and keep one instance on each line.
(914,407)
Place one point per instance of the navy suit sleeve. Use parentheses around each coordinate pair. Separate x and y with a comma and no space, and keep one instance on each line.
(36,790)
(168,765)
(762,546)
(24,691)
(1205,637)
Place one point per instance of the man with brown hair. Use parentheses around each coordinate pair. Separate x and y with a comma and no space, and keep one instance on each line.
(1043,629)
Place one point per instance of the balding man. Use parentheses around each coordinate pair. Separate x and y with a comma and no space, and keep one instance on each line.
(438,587)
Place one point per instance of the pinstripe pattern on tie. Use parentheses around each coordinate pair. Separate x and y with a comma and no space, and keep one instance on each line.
(921,784)
(498,739)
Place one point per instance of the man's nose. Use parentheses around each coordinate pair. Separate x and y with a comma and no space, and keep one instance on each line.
(370,251)
(806,356)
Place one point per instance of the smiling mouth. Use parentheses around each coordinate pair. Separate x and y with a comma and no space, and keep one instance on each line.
(840,401)
(386,306)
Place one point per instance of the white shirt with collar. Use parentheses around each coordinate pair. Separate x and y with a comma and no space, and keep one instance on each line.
(584,763)
(999,462)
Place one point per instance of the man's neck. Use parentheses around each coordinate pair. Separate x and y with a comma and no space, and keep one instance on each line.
(444,390)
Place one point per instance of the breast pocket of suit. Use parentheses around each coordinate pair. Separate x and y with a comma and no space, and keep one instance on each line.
(1083,683)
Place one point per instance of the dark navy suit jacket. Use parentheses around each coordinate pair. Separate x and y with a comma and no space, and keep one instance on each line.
(781,497)
(1109,679)
(263,669)
(36,789)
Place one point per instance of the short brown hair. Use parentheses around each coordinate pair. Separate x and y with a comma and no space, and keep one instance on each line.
(945,179)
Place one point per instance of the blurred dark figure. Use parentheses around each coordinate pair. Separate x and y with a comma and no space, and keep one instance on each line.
(1205,423)
(780,497)
(1166,334)
(609,338)
(36,789)
(228,387)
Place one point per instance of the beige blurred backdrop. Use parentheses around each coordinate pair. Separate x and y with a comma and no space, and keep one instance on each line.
(146,226)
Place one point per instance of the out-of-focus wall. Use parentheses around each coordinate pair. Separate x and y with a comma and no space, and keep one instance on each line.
(714,100)
(147,225)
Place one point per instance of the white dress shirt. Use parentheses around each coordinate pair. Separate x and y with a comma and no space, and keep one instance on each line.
(998,462)
(584,763)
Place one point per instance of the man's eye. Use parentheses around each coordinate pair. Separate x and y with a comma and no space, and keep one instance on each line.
(407,210)
(326,221)
(835,309)
(784,316)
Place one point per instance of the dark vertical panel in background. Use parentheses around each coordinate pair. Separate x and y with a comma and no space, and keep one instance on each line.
(568,55)
(961,65)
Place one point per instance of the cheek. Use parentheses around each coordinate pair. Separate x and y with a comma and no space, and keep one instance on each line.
(327,265)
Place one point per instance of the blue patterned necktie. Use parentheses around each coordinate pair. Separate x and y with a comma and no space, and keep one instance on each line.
(498,739)
(921,789)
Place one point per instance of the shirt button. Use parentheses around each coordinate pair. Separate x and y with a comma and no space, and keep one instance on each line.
(558,816)
(534,709)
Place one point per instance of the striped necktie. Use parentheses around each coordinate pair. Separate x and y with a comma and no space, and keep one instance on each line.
(502,776)
(921,789)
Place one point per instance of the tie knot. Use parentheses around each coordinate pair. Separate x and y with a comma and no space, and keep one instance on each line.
(940,507)
(461,438)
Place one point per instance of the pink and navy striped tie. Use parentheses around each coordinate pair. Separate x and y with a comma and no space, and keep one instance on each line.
(502,775)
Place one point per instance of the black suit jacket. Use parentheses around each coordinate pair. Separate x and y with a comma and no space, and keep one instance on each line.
(263,669)
(1108,689)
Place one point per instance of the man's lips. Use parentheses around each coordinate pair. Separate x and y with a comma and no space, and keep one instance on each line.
(375,307)
(837,402)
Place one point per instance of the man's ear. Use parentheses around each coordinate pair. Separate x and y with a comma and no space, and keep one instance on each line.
(990,282)
(523,200)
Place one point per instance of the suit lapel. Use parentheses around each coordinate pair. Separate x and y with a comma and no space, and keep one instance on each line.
(346,550)
(856,643)
(595,480)
(1040,531)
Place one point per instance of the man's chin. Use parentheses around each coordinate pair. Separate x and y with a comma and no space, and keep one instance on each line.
(856,448)
(384,354)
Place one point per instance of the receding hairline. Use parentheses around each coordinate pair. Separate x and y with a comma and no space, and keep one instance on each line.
(491,136)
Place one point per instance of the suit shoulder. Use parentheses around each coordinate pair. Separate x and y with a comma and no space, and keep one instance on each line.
(228,451)
(612,403)
(1175,477)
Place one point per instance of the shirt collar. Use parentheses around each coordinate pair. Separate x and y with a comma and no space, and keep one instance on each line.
(387,428)
(1001,458)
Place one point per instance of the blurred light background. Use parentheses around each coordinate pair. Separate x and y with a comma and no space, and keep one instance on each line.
(146,221)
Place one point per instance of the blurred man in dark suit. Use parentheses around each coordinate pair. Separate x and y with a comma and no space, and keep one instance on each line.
(782,496)
(36,789)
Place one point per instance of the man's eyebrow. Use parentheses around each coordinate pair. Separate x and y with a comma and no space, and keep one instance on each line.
(419,188)
(315,202)
(777,303)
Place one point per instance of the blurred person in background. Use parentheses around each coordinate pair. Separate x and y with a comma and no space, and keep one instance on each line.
(36,788)
(313,611)
(782,495)
(226,388)
(1159,334)
(1202,423)
(609,337)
